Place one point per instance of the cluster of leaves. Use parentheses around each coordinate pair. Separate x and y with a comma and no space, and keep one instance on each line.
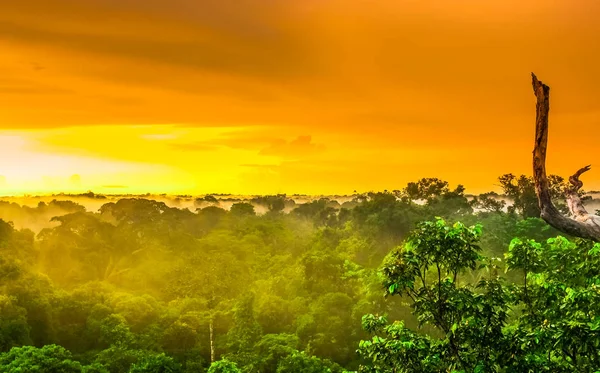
(473,319)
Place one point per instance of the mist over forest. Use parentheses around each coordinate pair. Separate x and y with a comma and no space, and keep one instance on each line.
(424,278)
(124,124)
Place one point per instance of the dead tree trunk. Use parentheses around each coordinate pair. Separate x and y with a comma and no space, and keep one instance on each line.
(212,341)
(582,224)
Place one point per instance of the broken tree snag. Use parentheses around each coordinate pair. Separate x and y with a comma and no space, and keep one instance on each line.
(582,224)
(578,211)
(576,207)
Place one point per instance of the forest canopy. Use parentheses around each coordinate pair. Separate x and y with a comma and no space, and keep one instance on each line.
(420,279)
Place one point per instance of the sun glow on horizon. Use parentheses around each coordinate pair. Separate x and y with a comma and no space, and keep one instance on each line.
(315,97)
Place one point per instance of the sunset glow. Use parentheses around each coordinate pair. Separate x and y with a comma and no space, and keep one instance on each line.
(312,96)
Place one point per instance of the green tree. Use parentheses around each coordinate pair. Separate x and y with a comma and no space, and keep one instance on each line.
(489,202)
(547,323)
(94,368)
(119,359)
(95,250)
(301,362)
(320,211)
(242,209)
(246,330)
(274,204)
(272,348)
(426,189)
(524,200)
(223,366)
(216,284)
(159,363)
(14,330)
(48,359)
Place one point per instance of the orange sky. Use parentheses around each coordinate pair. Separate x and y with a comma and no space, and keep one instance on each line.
(287,96)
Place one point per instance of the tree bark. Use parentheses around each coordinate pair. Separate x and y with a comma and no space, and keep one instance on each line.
(582,224)
(212,343)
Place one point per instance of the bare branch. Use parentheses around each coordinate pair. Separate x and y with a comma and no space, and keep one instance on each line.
(582,224)
(574,180)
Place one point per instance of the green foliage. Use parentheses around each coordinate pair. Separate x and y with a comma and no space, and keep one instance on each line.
(119,359)
(489,202)
(94,368)
(277,284)
(546,323)
(14,330)
(301,362)
(242,208)
(246,331)
(244,334)
(274,204)
(522,192)
(223,366)
(321,212)
(272,348)
(48,359)
(426,189)
(159,363)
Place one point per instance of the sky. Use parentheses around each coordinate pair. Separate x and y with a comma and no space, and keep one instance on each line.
(287,96)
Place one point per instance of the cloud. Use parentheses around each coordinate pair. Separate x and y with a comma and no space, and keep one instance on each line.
(300,63)
(256,165)
(300,147)
(159,136)
(214,39)
(252,138)
(28,87)
(258,141)
(198,146)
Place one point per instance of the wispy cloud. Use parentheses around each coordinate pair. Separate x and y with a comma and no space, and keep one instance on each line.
(300,147)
